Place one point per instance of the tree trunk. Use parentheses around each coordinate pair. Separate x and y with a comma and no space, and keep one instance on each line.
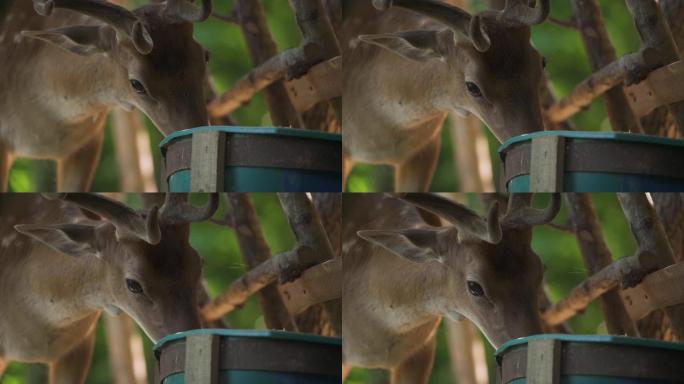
(250,16)
(255,251)
(133,154)
(601,53)
(596,256)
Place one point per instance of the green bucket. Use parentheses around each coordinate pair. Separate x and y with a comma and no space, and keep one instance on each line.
(253,159)
(247,356)
(596,161)
(589,359)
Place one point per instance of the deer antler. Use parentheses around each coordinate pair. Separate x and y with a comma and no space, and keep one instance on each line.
(455,18)
(127,221)
(460,216)
(176,210)
(119,18)
(521,215)
(185,11)
(518,13)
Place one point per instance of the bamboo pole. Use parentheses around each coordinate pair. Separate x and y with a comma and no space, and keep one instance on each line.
(126,355)
(133,153)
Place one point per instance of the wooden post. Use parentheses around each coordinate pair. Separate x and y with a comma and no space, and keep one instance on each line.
(547,164)
(543,362)
(201,359)
(255,251)
(252,21)
(207,162)
(601,53)
(597,256)
(650,235)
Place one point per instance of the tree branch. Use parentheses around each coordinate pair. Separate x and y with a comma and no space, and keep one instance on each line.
(290,63)
(251,282)
(628,69)
(625,272)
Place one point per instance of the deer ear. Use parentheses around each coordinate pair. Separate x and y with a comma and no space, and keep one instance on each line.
(84,40)
(70,239)
(417,245)
(413,45)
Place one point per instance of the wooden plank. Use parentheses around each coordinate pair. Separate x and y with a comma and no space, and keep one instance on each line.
(206,162)
(543,362)
(547,164)
(317,284)
(322,82)
(662,87)
(201,359)
(659,289)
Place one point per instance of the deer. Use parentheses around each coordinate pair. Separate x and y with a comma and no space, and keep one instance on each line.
(66,258)
(410,64)
(401,276)
(61,75)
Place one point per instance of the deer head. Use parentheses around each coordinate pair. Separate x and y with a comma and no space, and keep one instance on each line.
(147,266)
(494,72)
(159,68)
(484,270)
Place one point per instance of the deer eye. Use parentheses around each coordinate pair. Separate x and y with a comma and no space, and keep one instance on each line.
(473,89)
(475,289)
(138,87)
(133,286)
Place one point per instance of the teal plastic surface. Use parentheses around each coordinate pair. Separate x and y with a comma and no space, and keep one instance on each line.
(604,182)
(600,339)
(258,377)
(600,181)
(252,376)
(262,179)
(258,179)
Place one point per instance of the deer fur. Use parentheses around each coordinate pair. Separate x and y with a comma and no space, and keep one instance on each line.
(401,276)
(404,72)
(61,75)
(60,268)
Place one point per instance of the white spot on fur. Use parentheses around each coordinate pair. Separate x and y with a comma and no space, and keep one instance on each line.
(17,38)
(7,240)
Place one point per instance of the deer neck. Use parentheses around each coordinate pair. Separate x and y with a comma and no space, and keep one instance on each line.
(71,288)
(86,85)
(408,293)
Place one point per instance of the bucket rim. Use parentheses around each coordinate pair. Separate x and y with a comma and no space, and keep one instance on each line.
(274,131)
(593,135)
(251,333)
(601,339)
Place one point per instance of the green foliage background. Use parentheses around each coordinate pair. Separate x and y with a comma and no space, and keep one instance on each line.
(567,65)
